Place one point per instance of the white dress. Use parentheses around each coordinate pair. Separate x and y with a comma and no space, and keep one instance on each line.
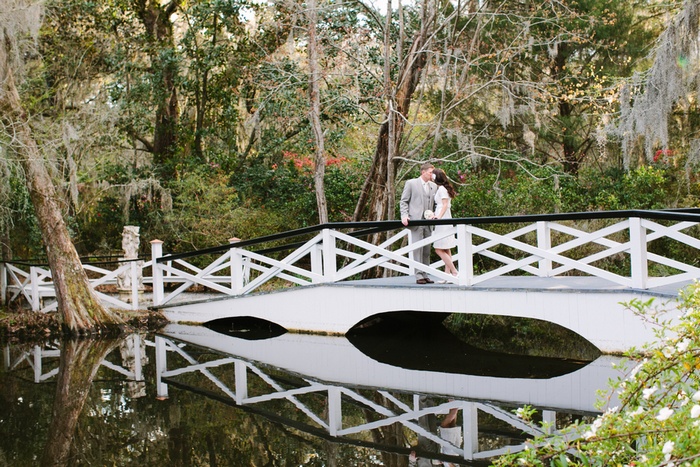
(454,436)
(449,241)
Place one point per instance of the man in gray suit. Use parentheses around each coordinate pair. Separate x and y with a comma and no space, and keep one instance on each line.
(417,197)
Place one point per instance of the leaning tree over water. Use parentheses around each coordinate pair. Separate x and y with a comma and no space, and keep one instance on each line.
(80,308)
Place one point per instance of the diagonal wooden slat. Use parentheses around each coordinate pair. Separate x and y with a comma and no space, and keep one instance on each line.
(286,264)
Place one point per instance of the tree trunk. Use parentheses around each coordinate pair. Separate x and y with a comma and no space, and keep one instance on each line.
(80,308)
(202,99)
(5,249)
(378,191)
(156,20)
(80,360)
(571,156)
(390,435)
(315,114)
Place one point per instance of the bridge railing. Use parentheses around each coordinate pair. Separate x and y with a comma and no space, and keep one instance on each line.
(636,249)
(33,282)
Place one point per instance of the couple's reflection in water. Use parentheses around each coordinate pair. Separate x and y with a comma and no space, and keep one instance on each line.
(402,396)
(424,451)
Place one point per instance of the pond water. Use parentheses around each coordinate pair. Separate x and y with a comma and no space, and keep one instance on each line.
(193,395)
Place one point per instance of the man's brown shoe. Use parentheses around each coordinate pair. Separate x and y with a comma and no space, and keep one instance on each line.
(422,281)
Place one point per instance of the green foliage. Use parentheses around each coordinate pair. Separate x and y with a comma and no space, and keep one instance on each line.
(208,208)
(520,336)
(514,190)
(645,187)
(205,213)
(509,191)
(240,99)
(25,235)
(658,419)
(288,189)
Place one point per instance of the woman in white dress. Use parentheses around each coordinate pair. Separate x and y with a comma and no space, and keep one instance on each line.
(443,201)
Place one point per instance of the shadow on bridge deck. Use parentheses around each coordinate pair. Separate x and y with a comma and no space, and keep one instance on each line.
(573,284)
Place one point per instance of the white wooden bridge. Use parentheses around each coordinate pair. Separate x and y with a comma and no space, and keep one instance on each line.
(571,269)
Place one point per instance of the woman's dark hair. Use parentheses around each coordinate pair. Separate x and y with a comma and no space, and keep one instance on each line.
(442,180)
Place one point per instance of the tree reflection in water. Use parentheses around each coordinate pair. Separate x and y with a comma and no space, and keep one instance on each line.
(79,361)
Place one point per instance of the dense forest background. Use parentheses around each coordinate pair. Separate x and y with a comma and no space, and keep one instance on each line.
(202,120)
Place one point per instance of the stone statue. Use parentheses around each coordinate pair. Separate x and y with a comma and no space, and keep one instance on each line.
(130,245)
(130,241)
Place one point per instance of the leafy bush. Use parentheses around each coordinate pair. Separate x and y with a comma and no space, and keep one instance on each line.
(658,419)
(207,212)
(486,194)
(288,189)
(518,191)
(645,187)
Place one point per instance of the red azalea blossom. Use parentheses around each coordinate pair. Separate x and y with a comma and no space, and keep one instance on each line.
(302,162)
(336,160)
(663,155)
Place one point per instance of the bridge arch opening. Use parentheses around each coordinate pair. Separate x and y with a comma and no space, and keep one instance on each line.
(448,343)
(246,327)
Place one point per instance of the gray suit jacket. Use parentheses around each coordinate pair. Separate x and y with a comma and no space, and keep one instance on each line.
(415,201)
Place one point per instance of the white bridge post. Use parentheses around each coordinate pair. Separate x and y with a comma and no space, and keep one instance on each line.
(236,267)
(411,254)
(161,367)
(465,255)
(638,254)
(544,242)
(158,289)
(241,381)
(37,360)
(317,260)
(329,256)
(549,420)
(335,411)
(138,363)
(470,422)
(34,284)
(133,270)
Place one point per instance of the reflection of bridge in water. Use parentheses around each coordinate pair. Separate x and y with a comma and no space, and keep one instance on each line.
(43,360)
(331,368)
(328,388)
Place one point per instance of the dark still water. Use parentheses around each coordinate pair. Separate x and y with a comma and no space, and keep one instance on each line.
(195,396)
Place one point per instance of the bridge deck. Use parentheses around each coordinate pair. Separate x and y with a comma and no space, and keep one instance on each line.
(574,284)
